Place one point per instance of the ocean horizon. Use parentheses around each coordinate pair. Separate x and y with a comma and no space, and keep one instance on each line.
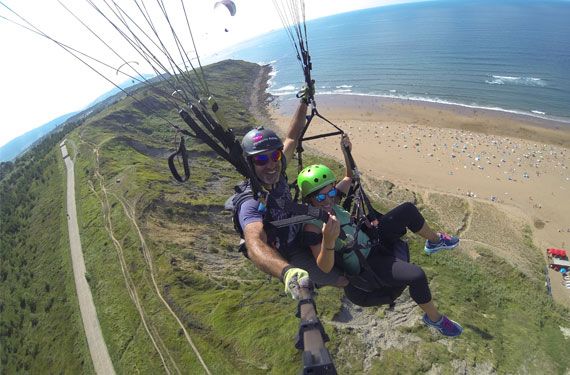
(511,56)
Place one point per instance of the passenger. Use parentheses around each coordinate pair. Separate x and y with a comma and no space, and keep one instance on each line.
(318,187)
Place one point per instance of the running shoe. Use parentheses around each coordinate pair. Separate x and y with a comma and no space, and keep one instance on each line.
(445,326)
(445,242)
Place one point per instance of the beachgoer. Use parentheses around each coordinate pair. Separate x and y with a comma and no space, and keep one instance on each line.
(276,251)
(318,187)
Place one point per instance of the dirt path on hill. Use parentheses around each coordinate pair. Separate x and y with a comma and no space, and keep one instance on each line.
(130,212)
(97,347)
(162,350)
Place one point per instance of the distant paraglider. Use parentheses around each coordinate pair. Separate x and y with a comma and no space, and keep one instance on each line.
(228,4)
(225,9)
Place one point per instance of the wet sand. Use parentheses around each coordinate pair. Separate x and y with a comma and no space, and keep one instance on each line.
(520,163)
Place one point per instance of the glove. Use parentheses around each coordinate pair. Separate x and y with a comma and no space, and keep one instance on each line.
(294,278)
(307,93)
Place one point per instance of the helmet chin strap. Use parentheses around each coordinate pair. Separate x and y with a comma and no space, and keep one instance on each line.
(283,166)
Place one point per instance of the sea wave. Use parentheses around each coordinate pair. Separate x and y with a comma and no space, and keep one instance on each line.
(343,86)
(265,62)
(283,93)
(534,113)
(335,91)
(285,88)
(272,74)
(521,81)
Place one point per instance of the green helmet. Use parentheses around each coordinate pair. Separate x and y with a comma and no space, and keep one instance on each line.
(313,178)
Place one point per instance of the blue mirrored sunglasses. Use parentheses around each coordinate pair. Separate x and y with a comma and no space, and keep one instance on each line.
(263,159)
(321,197)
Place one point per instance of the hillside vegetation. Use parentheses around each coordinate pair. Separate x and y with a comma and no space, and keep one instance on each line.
(163,265)
(40,324)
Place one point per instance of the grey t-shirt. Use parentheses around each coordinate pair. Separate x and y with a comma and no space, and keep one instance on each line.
(283,239)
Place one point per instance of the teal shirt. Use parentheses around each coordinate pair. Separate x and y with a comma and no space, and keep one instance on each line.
(350,262)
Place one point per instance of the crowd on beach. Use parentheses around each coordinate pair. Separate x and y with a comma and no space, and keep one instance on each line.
(493,156)
(477,165)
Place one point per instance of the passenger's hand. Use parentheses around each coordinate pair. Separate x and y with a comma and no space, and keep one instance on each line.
(331,230)
(345,143)
(294,279)
(307,93)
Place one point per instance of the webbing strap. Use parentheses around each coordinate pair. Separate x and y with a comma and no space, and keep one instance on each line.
(323,135)
(206,138)
(301,214)
(297,219)
(229,149)
(303,302)
(314,112)
(182,152)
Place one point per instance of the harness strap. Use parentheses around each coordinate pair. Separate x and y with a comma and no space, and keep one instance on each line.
(301,213)
(347,204)
(314,112)
(323,135)
(200,133)
(297,219)
(226,138)
(233,152)
(184,154)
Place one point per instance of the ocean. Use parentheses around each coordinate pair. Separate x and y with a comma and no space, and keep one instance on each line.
(511,56)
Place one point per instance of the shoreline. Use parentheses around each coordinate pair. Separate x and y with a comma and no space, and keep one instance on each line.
(539,118)
(518,165)
(483,120)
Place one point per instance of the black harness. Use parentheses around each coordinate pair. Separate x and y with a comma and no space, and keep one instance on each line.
(298,213)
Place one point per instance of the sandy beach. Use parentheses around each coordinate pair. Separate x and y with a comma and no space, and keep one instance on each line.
(518,163)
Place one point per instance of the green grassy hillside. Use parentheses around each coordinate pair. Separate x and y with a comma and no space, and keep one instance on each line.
(40,325)
(165,274)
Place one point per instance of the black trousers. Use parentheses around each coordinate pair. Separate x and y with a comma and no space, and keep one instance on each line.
(394,223)
(390,265)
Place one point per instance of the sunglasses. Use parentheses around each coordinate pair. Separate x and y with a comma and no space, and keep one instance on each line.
(262,159)
(321,197)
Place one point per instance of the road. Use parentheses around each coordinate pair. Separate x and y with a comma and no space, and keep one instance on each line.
(97,347)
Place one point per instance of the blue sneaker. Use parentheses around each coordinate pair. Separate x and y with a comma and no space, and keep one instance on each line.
(445,242)
(445,326)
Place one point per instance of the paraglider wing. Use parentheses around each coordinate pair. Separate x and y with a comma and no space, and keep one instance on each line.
(229,4)
(126,63)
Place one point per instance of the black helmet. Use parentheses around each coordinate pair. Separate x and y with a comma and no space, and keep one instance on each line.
(260,140)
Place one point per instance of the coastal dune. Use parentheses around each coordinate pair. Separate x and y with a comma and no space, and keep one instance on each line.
(513,164)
